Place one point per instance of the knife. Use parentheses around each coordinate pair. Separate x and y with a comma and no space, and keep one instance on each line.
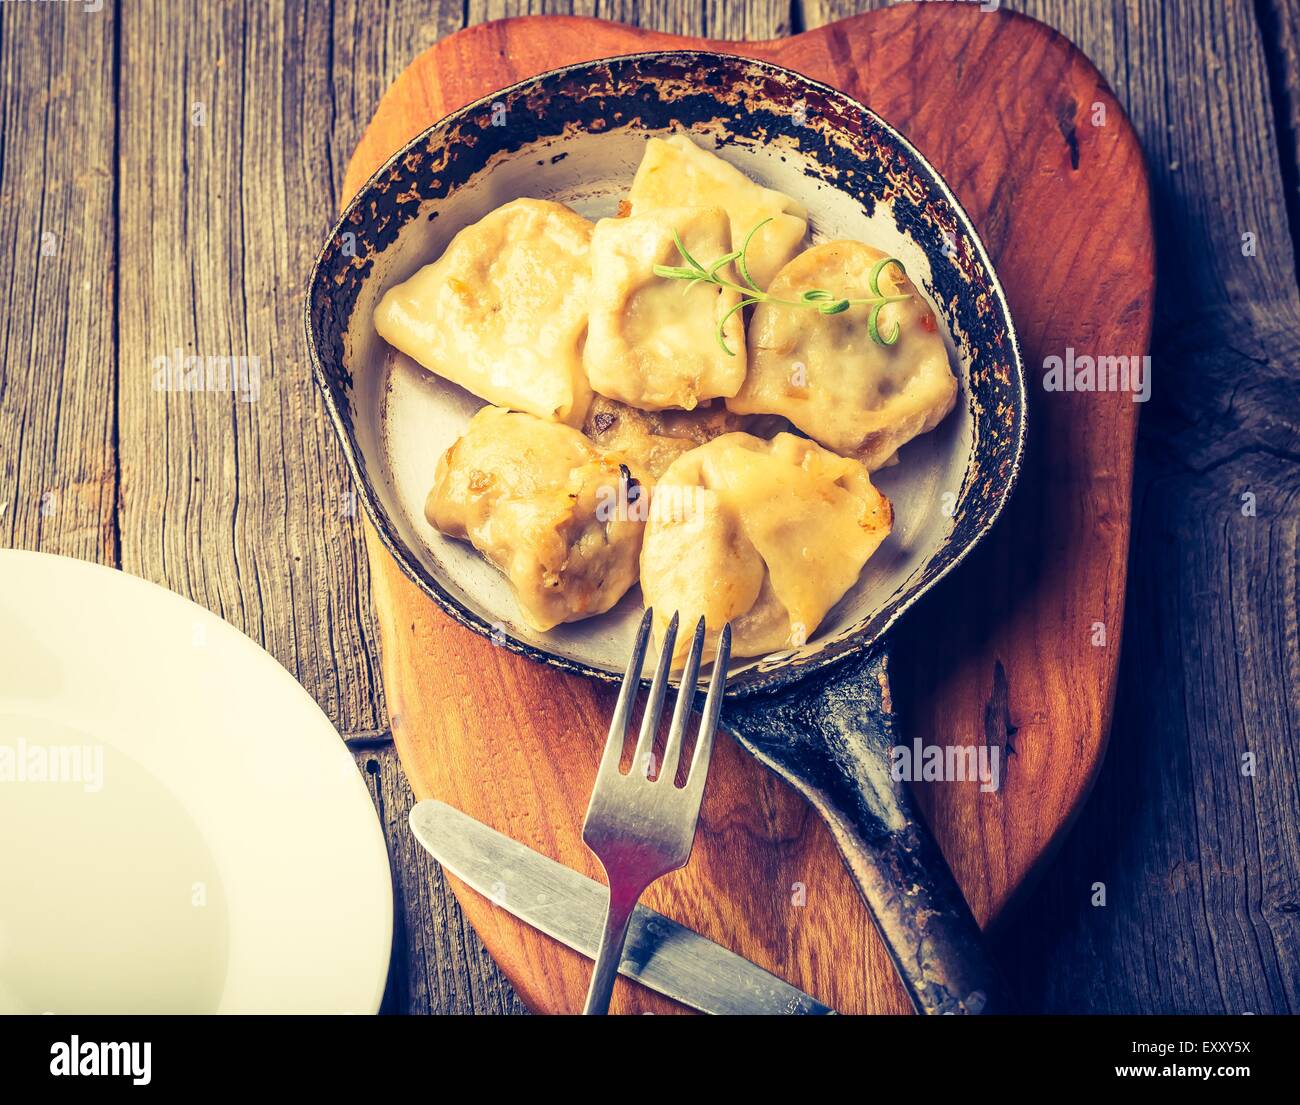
(570,908)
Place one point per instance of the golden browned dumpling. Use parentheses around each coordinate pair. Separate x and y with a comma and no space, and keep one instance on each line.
(652,341)
(503,311)
(766,535)
(826,374)
(546,507)
(651,440)
(676,172)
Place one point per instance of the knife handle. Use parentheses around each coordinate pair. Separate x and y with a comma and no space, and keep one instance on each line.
(832,737)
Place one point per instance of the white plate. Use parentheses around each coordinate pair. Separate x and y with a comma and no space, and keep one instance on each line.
(201,840)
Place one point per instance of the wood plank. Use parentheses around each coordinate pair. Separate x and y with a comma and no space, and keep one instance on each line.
(1279,29)
(439,964)
(727,19)
(439,676)
(58,465)
(364,48)
(680,16)
(1199,860)
(238,497)
(1202,861)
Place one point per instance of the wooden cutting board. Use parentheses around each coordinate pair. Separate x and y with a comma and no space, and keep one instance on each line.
(1019,649)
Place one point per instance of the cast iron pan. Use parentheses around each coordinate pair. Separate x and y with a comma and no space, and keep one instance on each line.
(819,714)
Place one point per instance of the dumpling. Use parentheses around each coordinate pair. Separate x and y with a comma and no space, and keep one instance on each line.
(503,311)
(652,341)
(829,377)
(651,440)
(547,508)
(675,171)
(767,535)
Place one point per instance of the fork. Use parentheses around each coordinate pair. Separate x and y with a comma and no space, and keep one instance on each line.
(642,828)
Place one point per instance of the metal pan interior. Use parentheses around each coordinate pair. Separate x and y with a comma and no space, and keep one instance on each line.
(397,419)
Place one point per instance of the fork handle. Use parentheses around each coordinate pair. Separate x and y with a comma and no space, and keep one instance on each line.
(832,738)
(617,919)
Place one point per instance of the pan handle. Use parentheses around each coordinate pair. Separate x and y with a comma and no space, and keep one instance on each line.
(831,737)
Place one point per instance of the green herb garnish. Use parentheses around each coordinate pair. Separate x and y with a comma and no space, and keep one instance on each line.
(817,298)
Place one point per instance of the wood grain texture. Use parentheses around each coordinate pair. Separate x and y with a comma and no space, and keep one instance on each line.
(1201,862)
(439,964)
(753,19)
(1008,654)
(236,498)
(57,360)
(1279,32)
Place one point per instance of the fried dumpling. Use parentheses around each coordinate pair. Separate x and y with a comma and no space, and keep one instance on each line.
(651,440)
(547,508)
(503,311)
(652,341)
(675,171)
(767,535)
(829,377)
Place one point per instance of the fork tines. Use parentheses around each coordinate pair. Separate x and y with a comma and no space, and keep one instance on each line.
(622,720)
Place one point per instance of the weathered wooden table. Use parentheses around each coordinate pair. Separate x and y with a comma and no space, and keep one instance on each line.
(168,169)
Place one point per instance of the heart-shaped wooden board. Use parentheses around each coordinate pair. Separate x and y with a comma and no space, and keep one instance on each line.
(1019,649)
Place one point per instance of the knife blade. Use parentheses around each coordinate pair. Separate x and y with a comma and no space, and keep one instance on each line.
(569,907)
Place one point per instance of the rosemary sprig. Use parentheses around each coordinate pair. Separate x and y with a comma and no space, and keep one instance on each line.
(816,298)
